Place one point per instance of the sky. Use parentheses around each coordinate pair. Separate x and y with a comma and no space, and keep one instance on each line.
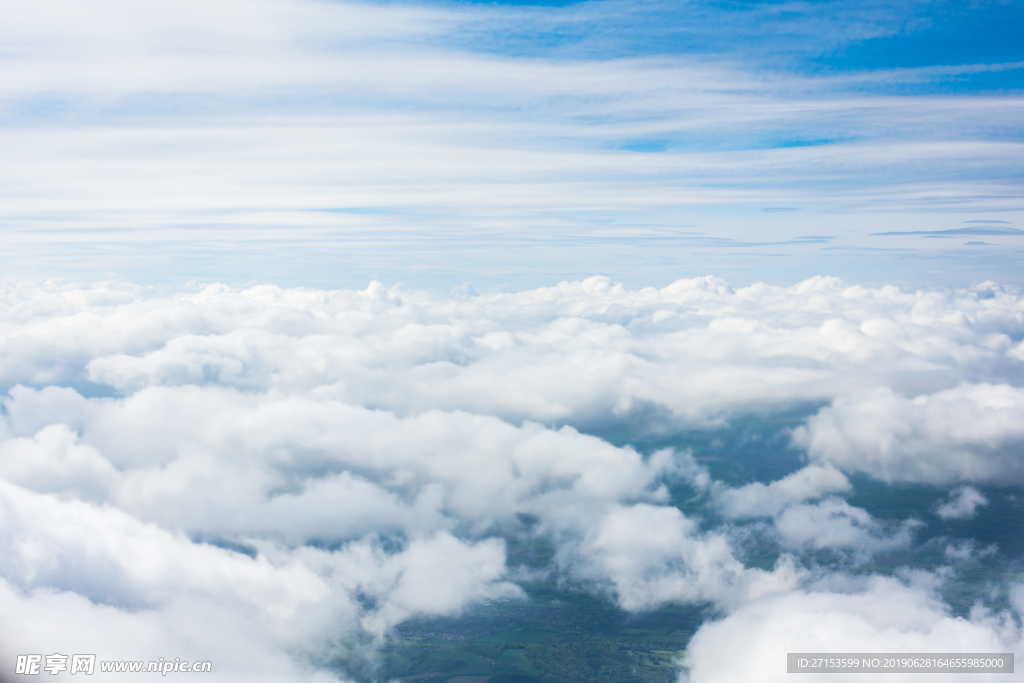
(314,314)
(507,145)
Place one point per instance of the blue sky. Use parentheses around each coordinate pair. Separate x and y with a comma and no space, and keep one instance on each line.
(511,144)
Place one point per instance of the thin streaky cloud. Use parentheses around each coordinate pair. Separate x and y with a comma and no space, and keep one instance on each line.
(954,232)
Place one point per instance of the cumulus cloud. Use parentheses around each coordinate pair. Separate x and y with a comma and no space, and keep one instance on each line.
(70,565)
(653,556)
(287,603)
(963,503)
(827,523)
(876,614)
(766,500)
(305,469)
(965,550)
(834,523)
(970,432)
(590,350)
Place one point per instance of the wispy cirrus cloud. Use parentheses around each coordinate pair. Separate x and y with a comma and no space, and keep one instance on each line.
(955,232)
(126,128)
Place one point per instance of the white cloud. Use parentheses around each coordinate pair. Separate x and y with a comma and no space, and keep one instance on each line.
(304,470)
(160,594)
(834,523)
(963,503)
(655,555)
(873,615)
(968,433)
(438,576)
(54,461)
(290,604)
(51,621)
(766,500)
(694,348)
(964,550)
(828,522)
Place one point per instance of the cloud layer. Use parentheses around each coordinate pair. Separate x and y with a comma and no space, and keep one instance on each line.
(299,471)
